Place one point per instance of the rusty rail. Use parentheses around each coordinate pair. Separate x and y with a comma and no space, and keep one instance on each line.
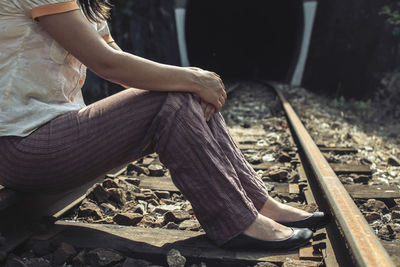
(364,246)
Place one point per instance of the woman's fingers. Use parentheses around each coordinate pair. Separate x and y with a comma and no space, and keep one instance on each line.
(210,110)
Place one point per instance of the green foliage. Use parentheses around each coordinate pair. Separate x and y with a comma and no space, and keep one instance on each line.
(392,14)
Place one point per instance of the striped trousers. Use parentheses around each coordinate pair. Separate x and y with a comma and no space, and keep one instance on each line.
(204,162)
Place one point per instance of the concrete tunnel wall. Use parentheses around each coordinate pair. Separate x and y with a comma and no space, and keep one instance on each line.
(254,39)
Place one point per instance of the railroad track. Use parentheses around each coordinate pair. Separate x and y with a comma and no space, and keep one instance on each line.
(297,174)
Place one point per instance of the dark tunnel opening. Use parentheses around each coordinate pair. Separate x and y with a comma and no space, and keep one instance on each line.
(254,39)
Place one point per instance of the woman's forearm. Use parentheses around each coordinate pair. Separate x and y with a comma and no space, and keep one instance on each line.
(132,71)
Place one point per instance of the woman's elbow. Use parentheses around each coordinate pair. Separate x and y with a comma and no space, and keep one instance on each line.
(104,66)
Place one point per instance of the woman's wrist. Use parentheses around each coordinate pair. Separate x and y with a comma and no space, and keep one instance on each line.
(193,80)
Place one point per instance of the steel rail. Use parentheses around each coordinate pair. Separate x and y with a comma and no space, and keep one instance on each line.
(364,246)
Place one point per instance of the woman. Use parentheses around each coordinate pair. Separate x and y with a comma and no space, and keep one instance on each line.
(50,141)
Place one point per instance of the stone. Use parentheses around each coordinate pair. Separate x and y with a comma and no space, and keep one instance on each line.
(365,161)
(265,264)
(176,216)
(363,179)
(128,219)
(395,214)
(387,218)
(190,225)
(376,205)
(89,209)
(133,181)
(135,168)
(393,161)
(284,157)
(300,263)
(372,216)
(123,184)
(141,196)
(164,208)
(156,170)
(129,262)
(63,253)
(175,259)
(101,257)
(133,208)
(108,209)
(14,261)
(171,225)
(279,176)
(98,193)
(41,248)
(110,183)
(80,259)
(38,262)
(117,195)
(162,194)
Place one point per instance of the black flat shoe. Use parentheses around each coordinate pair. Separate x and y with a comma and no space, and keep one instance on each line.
(299,238)
(315,221)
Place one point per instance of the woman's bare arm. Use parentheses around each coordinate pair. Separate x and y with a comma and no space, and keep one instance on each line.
(72,31)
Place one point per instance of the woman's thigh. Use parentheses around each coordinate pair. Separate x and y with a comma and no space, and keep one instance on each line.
(81,145)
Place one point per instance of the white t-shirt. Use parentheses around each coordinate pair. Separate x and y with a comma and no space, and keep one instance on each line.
(39,79)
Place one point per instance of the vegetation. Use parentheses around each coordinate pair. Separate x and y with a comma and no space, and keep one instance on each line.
(392,14)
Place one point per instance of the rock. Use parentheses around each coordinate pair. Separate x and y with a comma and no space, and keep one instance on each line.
(255,159)
(135,168)
(190,225)
(15,262)
(162,194)
(300,263)
(89,209)
(41,248)
(265,264)
(147,221)
(268,158)
(98,193)
(128,219)
(164,208)
(123,184)
(365,161)
(100,257)
(156,170)
(141,196)
(386,233)
(64,253)
(393,161)
(361,179)
(171,225)
(175,259)
(279,176)
(395,214)
(117,195)
(133,181)
(108,209)
(129,262)
(284,157)
(372,216)
(176,216)
(376,205)
(133,208)
(110,183)
(80,259)
(38,262)
(387,218)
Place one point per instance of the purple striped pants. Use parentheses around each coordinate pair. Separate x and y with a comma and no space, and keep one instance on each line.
(204,162)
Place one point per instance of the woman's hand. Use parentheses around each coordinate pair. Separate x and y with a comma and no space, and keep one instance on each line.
(211,91)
